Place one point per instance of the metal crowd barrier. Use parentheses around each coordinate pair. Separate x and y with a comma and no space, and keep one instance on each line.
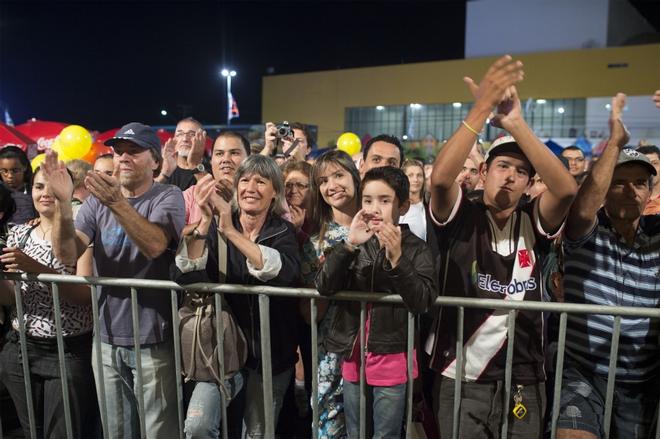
(264,293)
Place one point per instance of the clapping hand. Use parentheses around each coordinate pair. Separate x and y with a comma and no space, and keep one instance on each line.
(58,177)
(104,187)
(492,90)
(169,157)
(359,231)
(389,237)
(197,150)
(618,131)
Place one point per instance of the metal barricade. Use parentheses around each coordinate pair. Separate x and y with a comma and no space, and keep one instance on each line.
(264,293)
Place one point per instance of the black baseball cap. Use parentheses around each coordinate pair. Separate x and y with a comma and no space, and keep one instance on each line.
(140,134)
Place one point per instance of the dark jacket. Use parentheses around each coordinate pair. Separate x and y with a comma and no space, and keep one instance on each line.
(280,235)
(367,269)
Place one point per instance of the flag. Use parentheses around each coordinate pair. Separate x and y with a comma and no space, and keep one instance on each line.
(232,110)
(8,120)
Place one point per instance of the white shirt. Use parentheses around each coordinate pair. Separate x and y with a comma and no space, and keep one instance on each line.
(416,219)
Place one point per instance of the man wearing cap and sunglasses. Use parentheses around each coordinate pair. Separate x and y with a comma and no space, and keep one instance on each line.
(612,258)
(493,248)
(134,224)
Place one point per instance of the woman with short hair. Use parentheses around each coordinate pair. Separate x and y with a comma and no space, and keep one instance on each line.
(261,250)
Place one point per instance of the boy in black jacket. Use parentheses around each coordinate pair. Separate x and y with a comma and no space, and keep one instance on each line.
(373,260)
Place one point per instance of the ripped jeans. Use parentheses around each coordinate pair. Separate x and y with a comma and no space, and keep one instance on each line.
(205,409)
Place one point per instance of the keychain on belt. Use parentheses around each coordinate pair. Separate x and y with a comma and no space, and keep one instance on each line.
(519,410)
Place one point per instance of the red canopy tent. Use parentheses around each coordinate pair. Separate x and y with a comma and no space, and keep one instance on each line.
(105,135)
(11,136)
(44,132)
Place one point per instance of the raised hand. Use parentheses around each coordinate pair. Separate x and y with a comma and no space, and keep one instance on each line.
(618,132)
(389,237)
(169,157)
(508,111)
(58,178)
(197,149)
(225,188)
(504,73)
(359,231)
(297,216)
(104,187)
(203,190)
(270,139)
(656,98)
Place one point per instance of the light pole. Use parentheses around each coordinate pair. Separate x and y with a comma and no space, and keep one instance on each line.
(228,74)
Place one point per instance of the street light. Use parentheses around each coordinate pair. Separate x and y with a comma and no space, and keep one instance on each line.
(163,112)
(228,74)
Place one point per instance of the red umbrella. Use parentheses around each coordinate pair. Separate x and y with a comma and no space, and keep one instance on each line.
(164,135)
(105,135)
(11,136)
(44,132)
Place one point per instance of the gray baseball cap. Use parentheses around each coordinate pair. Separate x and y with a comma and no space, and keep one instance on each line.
(629,155)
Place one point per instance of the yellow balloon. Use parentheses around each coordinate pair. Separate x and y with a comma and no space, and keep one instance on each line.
(58,147)
(75,141)
(349,143)
(37,160)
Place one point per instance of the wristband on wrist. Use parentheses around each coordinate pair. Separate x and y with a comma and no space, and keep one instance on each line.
(465,124)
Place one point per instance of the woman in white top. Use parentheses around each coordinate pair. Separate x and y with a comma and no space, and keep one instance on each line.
(416,215)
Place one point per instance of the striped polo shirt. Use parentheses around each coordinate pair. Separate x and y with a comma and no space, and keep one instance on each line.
(602,269)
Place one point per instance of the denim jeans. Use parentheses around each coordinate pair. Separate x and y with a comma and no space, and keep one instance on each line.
(159,386)
(385,406)
(481,409)
(47,386)
(205,408)
(582,404)
(254,423)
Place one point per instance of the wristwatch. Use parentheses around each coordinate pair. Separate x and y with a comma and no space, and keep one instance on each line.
(199,169)
(197,235)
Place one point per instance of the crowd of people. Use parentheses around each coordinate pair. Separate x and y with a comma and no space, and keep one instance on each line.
(516,223)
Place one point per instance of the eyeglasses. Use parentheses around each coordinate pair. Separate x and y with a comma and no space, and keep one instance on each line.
(185,133)
(299,186)
(12,171)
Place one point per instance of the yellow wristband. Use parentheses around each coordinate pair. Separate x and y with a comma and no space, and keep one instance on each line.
(465,124)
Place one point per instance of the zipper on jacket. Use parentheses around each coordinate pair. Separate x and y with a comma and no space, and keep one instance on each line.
(371,290)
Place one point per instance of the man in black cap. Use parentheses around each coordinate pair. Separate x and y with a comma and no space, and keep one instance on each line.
(494,248)
(134,224)
(612,258)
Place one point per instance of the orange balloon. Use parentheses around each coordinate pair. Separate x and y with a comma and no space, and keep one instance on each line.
(97,149)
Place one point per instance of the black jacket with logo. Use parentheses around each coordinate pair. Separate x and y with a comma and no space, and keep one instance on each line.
(368,270)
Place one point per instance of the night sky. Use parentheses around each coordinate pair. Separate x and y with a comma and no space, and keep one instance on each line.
(102,64)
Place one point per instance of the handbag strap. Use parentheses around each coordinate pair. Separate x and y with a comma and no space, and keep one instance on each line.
(222,253)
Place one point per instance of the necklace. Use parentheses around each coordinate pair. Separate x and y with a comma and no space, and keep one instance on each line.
(44,232)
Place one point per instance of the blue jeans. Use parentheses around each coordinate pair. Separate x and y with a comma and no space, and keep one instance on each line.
(205,408)
(254,423)
(385,406)
(159,385)
(582,404)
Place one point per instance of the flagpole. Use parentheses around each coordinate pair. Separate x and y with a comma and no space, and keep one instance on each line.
(228,75)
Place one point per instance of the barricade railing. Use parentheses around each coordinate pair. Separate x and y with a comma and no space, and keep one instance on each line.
(264,293)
